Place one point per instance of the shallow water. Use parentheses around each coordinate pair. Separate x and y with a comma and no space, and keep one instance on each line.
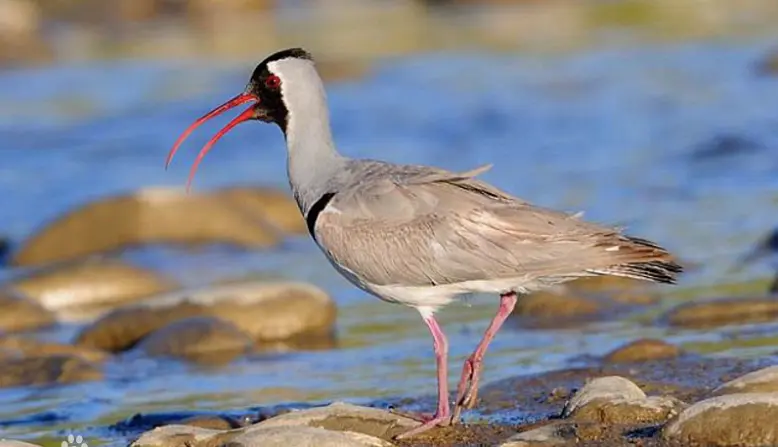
(611,132)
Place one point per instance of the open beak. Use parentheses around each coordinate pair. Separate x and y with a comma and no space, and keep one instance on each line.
(247,115)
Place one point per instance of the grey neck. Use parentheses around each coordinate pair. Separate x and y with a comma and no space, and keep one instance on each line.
(312,160)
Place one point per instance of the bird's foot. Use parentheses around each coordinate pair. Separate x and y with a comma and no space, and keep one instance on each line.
(467,390)
(435,421)
(418,417)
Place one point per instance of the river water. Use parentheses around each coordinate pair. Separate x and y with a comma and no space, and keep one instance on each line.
(677,142)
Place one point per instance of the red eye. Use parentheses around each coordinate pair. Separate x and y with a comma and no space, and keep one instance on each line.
(273,82)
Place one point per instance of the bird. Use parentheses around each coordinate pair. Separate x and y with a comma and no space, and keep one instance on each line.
(423,236)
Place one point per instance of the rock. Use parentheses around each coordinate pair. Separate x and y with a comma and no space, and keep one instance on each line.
(16,346)
(210,422)
(616,400)
(276,311)
(336,425)
(20,40)
(604,283)
(723,312)
(603,388)
(21,314)
(154,216)
(305,436)
(274,314)
(46,370)
(547,308)
(643,350)
(553,434)
(122,328)
(5,249)
(174,436)
(768,65)
(760,381)
(14,443)
(91,284)
(342,417)
(725,146)
(273,206)
(746,419)
(202,339)
(619,289)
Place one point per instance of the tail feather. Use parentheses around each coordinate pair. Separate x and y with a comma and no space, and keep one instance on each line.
(643,260)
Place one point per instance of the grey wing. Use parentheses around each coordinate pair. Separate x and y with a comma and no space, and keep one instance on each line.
(435,227)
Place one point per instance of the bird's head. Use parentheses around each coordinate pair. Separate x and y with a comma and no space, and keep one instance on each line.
(269,89)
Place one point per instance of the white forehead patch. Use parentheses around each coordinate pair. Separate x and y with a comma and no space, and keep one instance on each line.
(302,90)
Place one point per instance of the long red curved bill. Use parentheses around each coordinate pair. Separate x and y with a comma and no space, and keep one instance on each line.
(234,102)
(247,115)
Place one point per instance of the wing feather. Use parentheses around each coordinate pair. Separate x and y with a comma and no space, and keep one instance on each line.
(435,227)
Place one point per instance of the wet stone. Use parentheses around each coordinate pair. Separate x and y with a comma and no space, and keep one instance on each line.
(210,422)
(47,370)
(273,206)
(18,346)
(122,328)
(88,284)
(616,400)
(550,309)
(768,65)
(303,436)
(14,443)
(21,314)
(603,388)
(643,350)
(746,419)
(723,312)
(338,424)
(553,434)
(278,315)
(174,436)
(203,339)
(344,417)
(760,381)
(151,216)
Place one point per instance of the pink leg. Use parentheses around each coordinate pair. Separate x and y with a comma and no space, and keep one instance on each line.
(443,414)
(467,390)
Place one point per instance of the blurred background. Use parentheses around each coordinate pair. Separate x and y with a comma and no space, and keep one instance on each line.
(124,297)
